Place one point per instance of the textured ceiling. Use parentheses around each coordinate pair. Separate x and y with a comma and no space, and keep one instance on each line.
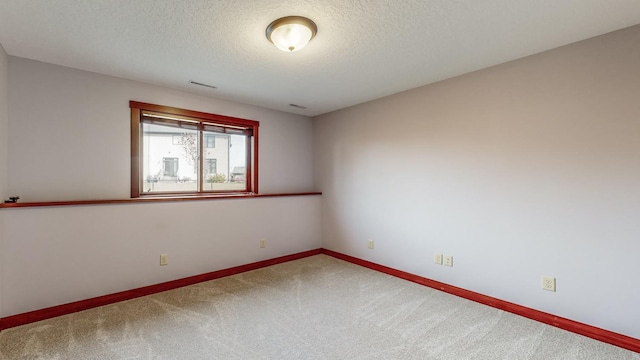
(365,49)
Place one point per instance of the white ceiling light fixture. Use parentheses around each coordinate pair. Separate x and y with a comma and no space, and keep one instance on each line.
(291,33)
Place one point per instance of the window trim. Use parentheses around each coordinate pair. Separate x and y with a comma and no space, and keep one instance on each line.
(137,109)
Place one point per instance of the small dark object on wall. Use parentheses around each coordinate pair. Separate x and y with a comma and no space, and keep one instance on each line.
(12,199)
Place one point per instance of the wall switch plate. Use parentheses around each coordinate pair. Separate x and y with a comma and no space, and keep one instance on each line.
(448,260)
(549,283)
(437,258)
(263,243)
(164,259)
(370,244)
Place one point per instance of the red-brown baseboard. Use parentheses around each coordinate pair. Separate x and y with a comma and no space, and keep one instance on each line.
(593,332)
(47,313)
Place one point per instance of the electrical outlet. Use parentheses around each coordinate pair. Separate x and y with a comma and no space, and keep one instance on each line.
(448,260)
(370,245)
(437,258)
(263,243)
(549,283)
(164,259)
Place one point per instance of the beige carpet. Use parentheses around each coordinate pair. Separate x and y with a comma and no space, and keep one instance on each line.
(314,308)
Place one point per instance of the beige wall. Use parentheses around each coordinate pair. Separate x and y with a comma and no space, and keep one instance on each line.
(525,169)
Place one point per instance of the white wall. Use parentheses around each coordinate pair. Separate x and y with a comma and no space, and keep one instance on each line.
(525,169)
(70,140)
(3,151)
(70,134)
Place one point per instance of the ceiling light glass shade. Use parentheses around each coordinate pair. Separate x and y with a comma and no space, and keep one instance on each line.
(291,33)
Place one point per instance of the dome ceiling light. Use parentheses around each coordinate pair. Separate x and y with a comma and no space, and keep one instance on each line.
(291,33)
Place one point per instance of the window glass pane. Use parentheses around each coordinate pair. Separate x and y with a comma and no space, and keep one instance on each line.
(225,164)
(170,159)
(238,162)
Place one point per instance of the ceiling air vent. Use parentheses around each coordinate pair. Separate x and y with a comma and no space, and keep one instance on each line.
(201,84)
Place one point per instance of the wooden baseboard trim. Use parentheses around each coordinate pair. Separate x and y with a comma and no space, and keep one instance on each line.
(593,332)
(64,309)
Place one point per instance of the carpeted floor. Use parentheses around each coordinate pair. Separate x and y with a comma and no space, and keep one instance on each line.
(315,308)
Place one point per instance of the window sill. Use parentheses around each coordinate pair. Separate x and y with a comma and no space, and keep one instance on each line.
(152,199)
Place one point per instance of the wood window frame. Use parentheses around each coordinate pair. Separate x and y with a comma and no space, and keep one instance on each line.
(137,110)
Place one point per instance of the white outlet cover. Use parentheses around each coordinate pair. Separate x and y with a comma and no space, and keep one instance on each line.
(448,260)
(437,258)
(549,283)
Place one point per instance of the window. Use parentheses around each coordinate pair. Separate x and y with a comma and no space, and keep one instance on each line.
(169,167)
(210,140)
(211,166)
(183,152)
